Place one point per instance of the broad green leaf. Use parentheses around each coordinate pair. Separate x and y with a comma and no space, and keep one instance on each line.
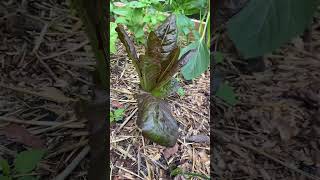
(27,178)
(5,177)
(121,20)
(196,35)
(225,92)
(135,17)
(121,11)
(195,6)
(264,25)
(27,161)
(198,63)
(136,4)
(184,24)
(218,57)
(5,167)
(156,121)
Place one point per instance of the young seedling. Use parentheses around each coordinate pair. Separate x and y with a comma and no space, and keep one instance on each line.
(116,115)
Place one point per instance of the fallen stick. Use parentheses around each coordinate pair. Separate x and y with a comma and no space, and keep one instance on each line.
(42,123)
(64,174)
(39,94)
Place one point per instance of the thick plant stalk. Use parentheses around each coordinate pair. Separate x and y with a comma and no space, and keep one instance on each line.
(93,15)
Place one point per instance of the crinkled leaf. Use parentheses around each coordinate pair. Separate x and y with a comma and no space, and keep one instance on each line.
(167,32)
(150,71)
(163,52)
(156,121)
(264,25)
(27,161)
(154,47)
(199,62)
(169,65)
(126,41)
(184,59)
(131,50)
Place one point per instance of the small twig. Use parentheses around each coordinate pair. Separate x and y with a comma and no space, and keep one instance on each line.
(40,38)
(66,51)
(127,120)
(46,66)
(53,127)
(155,162)
(42,123)
(129,171)
(39,94)
(67,149)
(139,160)
(84,65)
(64,174)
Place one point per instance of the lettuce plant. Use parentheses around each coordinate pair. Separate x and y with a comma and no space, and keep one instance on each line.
(156,69)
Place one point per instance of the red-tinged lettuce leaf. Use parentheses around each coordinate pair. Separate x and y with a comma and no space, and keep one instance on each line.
(165,79)
(170,70)
(168,33)
(131,50)
(154,47)
(161,54)
(156,121)
(150,70)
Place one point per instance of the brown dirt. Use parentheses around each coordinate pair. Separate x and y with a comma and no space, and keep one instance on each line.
(273,132)
(134,157)
(45,60)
